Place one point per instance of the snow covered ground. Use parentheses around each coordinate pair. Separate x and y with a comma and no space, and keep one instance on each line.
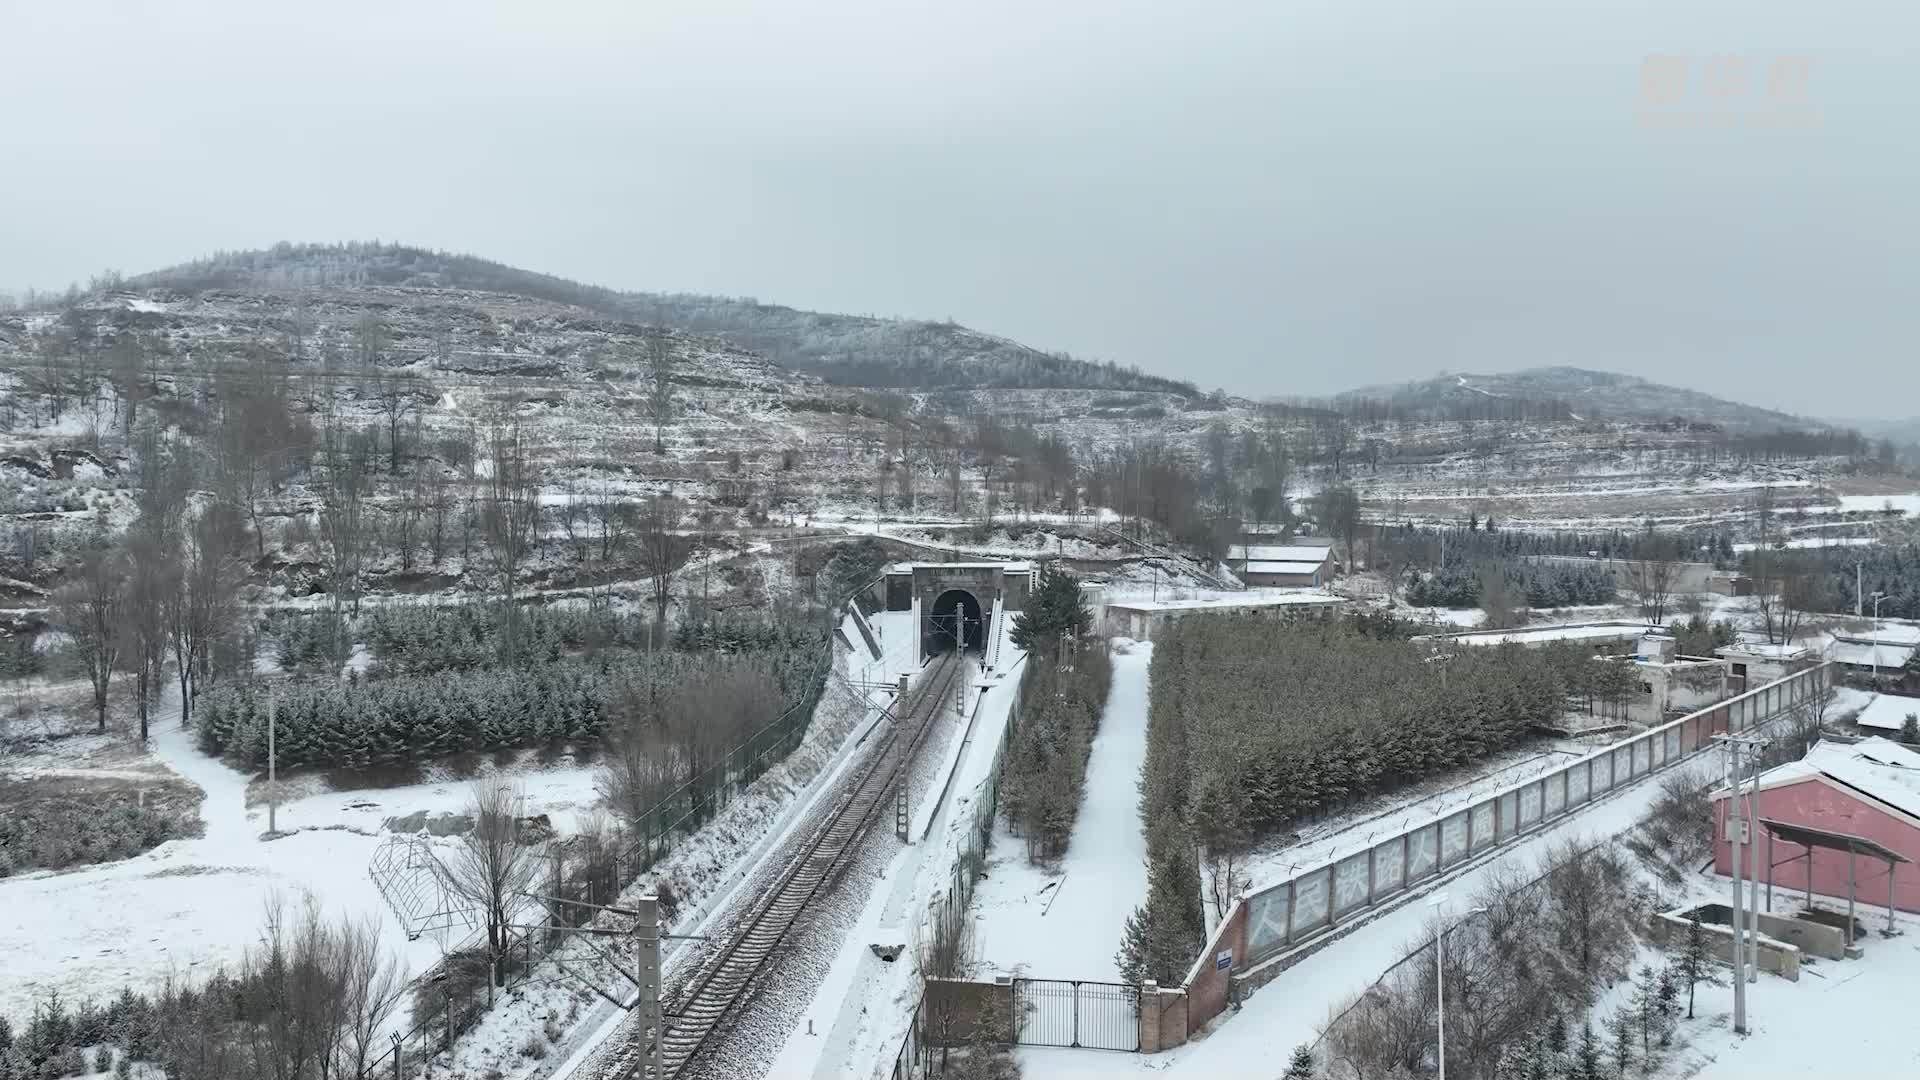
(1812,542)
(1066,923)
(1255,1040)
(1851,1018)
(190,906)
(1874,504)
(193,905)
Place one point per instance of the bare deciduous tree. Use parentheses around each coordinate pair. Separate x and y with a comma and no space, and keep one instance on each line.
(509,514)
(1785,589)
(397,396)
(161,482)
(87,608)
(1653,575)
(204,605)
(493,867)
(343,511)
(662,548)
(661,362)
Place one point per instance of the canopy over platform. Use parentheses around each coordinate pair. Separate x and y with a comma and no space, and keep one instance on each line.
(1809,838)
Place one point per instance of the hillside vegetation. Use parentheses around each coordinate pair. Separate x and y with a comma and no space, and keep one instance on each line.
(849,350)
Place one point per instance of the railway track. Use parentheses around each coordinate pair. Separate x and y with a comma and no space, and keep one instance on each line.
(721,983)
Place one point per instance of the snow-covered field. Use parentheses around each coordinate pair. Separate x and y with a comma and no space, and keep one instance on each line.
(1066,922)
(190,906)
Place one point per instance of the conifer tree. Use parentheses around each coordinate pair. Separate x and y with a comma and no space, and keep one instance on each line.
(1622,1025)
(1694,966)
(1163,935)
(1586,1058)
(1300,1065)
(1055,610)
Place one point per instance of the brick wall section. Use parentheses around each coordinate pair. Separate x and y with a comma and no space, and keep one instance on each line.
(1208,985)
(1163,1018)
(960,1012)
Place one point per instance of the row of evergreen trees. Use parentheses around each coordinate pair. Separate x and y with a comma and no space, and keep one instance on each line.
(407,718)
(1889,568)
(461,637)
(1479,541)
(1044,775)
(1544,585)
(1264,723)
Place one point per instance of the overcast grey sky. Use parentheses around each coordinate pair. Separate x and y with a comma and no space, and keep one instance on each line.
(1280,197)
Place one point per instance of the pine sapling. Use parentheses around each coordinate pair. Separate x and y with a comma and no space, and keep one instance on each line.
(1622,1027)
(1586,1060)
(1665,993)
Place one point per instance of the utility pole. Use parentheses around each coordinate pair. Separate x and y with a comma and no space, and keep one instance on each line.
(273,792)
(1877,597)
(646,940)
(1739,915)
(1738,831)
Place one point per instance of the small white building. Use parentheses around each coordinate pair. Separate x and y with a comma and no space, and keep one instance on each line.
(1755,663)
(1674,685)
(1140,619)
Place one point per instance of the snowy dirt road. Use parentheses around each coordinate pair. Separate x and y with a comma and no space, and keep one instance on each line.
(1066,922)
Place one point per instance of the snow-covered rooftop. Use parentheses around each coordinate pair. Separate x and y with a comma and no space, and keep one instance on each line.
(1622,630)
(1015,567)
(1889,633)
(1786,650)
(1887,712)
(1867,655)
(1284,567)
(1879,768)
(1307,553)
(1236,601)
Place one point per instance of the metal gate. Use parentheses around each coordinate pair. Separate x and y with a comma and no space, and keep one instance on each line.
(1068,1012)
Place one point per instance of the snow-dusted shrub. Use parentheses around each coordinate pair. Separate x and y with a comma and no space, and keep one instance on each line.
(55,833)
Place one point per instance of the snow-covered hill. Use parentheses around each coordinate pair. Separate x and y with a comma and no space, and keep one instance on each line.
(1576,394)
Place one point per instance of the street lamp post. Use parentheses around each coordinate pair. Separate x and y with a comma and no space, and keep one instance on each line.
(1440,975)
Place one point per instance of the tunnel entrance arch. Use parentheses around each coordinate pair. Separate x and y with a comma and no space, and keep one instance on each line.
(956,621)
(957,604)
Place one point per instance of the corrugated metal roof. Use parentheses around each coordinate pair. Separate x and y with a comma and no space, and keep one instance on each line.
(1877,767)
(1303,568)
(1279,553)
